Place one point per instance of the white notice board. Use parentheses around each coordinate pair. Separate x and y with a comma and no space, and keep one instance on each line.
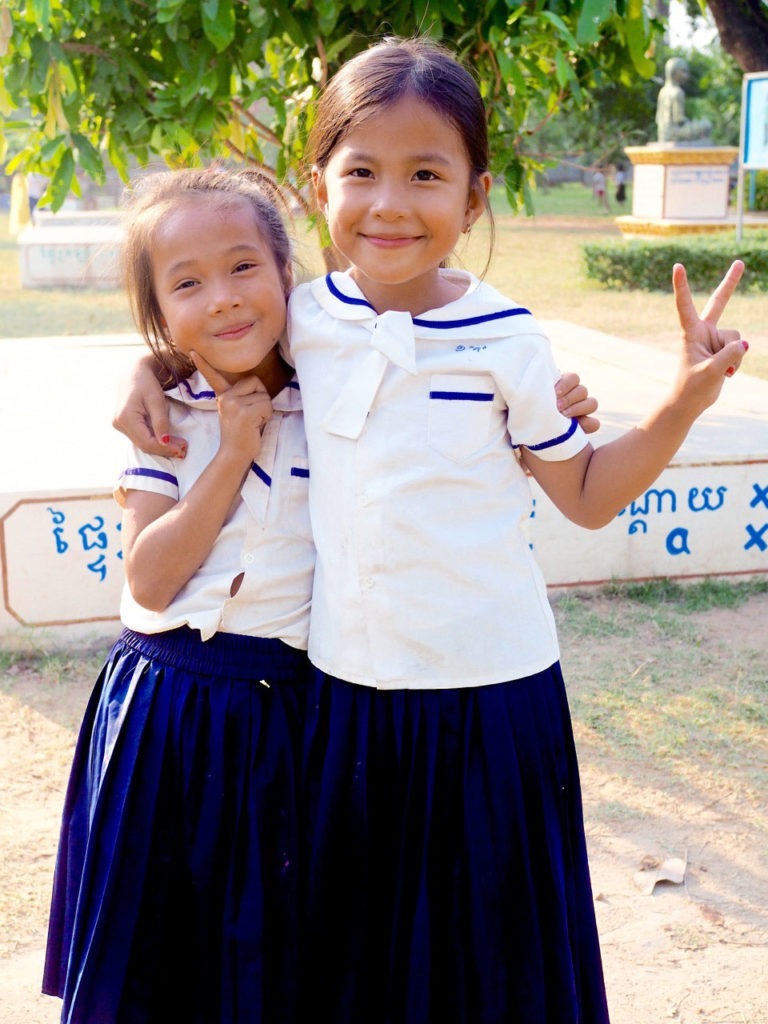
(754,121)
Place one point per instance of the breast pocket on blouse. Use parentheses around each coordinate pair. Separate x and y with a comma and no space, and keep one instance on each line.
(460,413)
(296,517)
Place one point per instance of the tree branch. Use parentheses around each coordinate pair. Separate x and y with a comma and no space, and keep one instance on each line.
(277,191)
(259,127)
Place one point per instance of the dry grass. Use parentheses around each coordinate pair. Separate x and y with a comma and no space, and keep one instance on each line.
(537,261)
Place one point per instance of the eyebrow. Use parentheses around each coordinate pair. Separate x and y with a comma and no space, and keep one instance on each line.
(182,265)
(416,158)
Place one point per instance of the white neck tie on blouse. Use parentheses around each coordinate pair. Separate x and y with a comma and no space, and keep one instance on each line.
(392,341)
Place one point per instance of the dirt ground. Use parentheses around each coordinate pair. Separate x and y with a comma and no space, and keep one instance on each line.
(692,950)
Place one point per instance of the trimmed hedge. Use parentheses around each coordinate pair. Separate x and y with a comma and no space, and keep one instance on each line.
(647,265)
(761,189)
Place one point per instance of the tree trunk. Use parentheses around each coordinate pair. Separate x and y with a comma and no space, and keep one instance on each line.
(743,29)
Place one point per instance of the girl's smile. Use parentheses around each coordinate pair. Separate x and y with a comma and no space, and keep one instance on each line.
(391,242)
(398,192)
(234,332)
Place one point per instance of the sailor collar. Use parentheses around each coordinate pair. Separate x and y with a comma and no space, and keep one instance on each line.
(480,313)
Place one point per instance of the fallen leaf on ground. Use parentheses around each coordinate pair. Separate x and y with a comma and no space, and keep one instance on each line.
(670,870)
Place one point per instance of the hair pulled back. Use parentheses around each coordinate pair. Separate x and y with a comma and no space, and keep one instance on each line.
(145,205)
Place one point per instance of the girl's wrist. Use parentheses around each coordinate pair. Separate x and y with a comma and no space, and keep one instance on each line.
(233,458)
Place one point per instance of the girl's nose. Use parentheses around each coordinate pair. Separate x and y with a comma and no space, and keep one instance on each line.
(388,202)
(223,298)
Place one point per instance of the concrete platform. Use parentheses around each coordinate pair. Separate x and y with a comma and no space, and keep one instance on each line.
(632,226)
(60,553)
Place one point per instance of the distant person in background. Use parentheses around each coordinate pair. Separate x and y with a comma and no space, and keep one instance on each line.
(621,184)
(598,188)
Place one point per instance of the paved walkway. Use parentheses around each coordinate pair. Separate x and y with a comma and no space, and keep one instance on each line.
(60,394)
(59,455)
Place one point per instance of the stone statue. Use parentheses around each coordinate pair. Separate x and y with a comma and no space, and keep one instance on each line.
(671,122)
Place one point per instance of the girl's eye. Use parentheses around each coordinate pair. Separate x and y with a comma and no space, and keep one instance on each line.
(184,284)
(244,265)
(360,172)
(425,176)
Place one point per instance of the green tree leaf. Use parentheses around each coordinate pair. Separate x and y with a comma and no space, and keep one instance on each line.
(128,84)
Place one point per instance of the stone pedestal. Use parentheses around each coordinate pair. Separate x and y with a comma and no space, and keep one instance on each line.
(678,189)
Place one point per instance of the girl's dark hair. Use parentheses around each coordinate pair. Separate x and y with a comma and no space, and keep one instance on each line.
(145,205)
(389,71)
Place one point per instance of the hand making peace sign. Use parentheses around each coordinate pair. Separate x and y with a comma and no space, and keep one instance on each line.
(710,354)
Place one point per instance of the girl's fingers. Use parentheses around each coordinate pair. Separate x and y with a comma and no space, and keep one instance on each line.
(589,424)
(686,311)
(245,386)
(567,383)
(252,385)
(718,300)
(730,357)
(176,447)
(729,334)
(214,378)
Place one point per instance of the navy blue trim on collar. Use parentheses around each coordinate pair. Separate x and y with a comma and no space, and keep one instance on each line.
(470,321)
(349,299)
(200,394)
(435,324)
(261,474)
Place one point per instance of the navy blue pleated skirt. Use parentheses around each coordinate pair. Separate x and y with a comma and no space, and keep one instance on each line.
(445,838)
(176,887)
(315,851)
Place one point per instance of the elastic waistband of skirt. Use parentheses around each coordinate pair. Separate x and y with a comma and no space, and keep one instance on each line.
(224,654)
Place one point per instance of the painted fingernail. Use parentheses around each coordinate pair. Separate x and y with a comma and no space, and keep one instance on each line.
(165,439)
(745,345)
(730,371)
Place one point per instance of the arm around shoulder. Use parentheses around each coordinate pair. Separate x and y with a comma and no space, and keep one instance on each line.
(142,411)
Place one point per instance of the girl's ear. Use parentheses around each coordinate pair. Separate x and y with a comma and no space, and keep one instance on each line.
(164,328)
(318,182)
(478,197)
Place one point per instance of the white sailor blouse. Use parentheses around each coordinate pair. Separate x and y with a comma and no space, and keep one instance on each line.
(267,537)
(418,503)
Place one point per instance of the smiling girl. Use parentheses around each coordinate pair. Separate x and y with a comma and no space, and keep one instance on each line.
(176,892)
(451,854)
